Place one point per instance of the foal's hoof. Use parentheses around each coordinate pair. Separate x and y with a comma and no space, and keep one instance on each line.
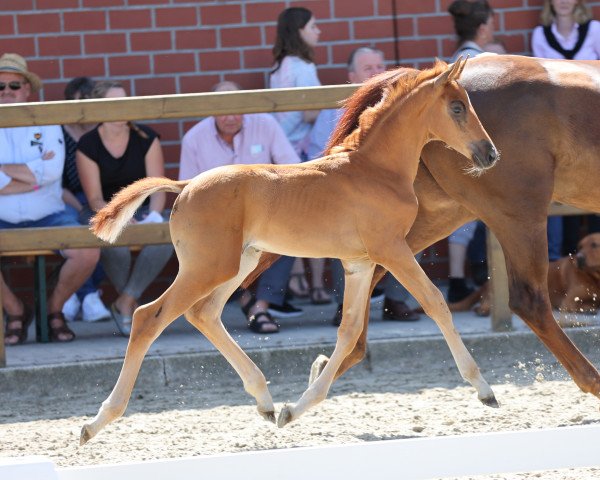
(268,416)
(490,401)
(285,416)
(86,435)
(316,368)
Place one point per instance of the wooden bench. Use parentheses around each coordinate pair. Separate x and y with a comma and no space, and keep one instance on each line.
(41,242)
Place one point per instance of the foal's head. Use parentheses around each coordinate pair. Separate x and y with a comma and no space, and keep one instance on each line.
(453,120)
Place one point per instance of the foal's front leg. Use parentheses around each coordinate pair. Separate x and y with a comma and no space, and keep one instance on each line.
(400,261)
(358,280)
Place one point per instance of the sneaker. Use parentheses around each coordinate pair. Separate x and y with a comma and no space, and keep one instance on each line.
(378,295)
(71,308)
(284,311)
(93,309)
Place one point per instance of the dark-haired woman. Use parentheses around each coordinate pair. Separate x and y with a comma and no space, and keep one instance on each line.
(110,157)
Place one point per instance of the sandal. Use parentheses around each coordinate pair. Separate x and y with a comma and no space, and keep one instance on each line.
(59,332)
(267,325)
(319,296)
(246,306)
(298,285)
(18,326)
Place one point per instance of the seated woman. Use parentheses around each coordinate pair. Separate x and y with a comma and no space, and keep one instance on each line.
(110,157)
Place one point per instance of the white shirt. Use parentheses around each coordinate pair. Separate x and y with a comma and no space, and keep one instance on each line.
(294,72)
(26,145)
(261,140)
(590,50)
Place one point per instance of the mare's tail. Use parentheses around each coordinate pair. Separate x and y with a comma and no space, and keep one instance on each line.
(109,222)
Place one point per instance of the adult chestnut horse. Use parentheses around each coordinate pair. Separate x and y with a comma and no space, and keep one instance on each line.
(543,117)
(359,196)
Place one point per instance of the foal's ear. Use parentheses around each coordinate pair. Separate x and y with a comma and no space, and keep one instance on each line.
(452,72)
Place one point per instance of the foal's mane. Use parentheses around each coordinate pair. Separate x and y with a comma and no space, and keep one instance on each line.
(372,100)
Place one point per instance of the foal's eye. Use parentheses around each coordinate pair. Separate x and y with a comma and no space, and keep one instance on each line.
(457,107)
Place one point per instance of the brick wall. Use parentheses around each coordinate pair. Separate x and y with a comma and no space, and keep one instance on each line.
(181,46)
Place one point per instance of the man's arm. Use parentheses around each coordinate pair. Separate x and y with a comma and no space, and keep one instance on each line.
(16,186)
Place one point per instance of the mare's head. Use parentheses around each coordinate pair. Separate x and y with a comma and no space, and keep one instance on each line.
(453,120)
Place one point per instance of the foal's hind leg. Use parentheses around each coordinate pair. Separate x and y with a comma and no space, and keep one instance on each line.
(356,296)
(402,264)
(148,323)
(205,315)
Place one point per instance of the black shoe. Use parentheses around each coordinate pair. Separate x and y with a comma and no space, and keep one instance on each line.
(284,311)
(458,290)
(378,295)
(398,311)
(337,318)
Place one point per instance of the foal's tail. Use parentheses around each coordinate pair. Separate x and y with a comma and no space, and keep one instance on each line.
(109,222)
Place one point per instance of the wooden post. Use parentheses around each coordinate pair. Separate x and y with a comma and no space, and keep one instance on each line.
(501,314)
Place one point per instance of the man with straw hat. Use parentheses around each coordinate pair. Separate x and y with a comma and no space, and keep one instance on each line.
(31,164)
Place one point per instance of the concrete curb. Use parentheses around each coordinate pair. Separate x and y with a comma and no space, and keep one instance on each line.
(206,370)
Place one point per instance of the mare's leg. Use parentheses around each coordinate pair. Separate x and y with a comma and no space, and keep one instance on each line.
(399,260)
(525,250)
(205,315)
(358,279)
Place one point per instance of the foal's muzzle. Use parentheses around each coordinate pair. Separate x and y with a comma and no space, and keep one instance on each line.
(484,154)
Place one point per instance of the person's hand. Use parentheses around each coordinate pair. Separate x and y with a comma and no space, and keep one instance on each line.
(48,155)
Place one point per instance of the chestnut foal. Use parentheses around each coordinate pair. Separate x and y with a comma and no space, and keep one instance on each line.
(357,205)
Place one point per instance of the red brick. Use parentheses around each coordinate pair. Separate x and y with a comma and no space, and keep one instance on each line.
(405,27)
(260,58)
(172,153)
(341,53)
(409,7)
(155,86)
(84,21)
(46,69)
(91,66)
(24,46)
(38,22)
(197,83)
(220,14)
(105,43)
(22,5)
(417,48)
(54,91)
(497,4)
(133,19)
(176,17)
(333,31)
(59,45)
(103,3)
(168,131)
(373,29)
(319,8)
(263,12)
(344,8)
(526,19)
(129,65)
(240,37)
(150,41)
(333,76)
(249,80)
(520,44)
(52,4)
(196,39)
(389,52)
(7,25)
(174,62)
(227,60)
(146,2)
(435,25)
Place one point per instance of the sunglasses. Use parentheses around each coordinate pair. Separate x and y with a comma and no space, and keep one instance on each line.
(12,85)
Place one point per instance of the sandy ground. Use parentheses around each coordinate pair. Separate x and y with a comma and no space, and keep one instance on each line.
(362,406)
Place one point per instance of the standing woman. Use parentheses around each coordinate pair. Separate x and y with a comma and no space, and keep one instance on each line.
(474,27)
(567,31)
(293,52)
(110,157)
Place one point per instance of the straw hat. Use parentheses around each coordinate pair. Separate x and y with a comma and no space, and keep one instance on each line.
(15,63)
